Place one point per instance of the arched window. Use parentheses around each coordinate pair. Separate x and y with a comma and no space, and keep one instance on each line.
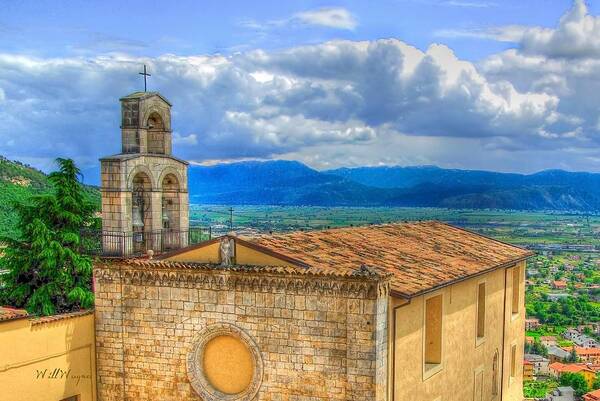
(155,122)
(156,134)
(495,368)
(141,213)
(172,236)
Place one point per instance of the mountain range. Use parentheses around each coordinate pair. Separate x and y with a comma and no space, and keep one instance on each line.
(294,184)
(291,183)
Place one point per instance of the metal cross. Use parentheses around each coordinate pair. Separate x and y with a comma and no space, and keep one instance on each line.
(145,74)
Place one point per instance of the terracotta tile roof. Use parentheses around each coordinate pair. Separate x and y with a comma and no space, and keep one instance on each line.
(592,395)
(420,256)
(569,367)
(8,313)
(62,316)
(584,351)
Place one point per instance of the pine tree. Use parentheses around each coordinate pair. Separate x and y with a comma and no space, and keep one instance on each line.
(45,271)
(573,356)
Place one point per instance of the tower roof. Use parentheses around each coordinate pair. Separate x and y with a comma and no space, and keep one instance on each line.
(145,95)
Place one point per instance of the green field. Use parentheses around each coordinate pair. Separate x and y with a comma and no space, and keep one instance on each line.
(511,226)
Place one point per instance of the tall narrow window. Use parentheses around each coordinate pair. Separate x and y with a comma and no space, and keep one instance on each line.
(478,390)
(481,311)
(495,367)
(513,361)
(515,289)
(433,332)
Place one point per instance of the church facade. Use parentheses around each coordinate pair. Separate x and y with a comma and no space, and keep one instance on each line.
(397,312)
(415,311)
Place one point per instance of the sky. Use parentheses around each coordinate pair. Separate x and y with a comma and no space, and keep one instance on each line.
(471,84)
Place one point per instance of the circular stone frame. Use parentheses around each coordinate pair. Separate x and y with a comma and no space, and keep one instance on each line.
(195,366)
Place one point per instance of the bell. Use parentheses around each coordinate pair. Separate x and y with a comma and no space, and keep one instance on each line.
(138,220)
(165,219)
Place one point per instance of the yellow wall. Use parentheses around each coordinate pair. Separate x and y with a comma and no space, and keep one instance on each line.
(466,369)
(63,349)
(205,254)
(243,256)
(228,364)
(590,377)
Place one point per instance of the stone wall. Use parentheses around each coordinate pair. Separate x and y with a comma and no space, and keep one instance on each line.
(117,178)
(318,338)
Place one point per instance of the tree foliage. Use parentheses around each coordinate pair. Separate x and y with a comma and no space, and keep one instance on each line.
(570,311)
(536,348)
(575,380)
(596,384)
(573,357)
(46,273)
(535,389)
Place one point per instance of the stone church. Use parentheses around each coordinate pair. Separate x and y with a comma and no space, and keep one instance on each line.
(417,311)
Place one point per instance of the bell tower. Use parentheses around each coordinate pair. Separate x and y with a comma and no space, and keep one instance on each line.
(144,188)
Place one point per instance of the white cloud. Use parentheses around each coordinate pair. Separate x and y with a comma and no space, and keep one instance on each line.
(330,104)
(563,62)
(332,17)
(187,140)
(576,35)
(510,33)
(267,104)
(329,17)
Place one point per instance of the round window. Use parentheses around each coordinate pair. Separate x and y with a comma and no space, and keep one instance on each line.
(224,364)
(228,364)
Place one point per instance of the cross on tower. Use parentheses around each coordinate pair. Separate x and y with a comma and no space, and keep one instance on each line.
(145,74)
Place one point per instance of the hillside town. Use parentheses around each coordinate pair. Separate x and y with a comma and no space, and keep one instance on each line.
(562,348)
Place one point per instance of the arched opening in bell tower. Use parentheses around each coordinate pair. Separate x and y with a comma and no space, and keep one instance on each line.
(156,133)
(170,213)
(141,211)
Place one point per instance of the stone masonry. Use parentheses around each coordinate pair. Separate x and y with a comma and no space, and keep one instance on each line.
(319,337)
(145,169)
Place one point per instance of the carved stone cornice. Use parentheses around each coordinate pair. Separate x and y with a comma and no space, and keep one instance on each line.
(247,278)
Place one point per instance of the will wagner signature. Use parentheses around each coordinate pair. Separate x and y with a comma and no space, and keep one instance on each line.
(59,374)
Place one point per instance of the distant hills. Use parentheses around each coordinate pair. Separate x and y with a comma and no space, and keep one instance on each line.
(276,183)
(291,183)
(18,183)
(294,184)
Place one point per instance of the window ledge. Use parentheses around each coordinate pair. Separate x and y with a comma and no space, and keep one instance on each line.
(479,341)
(430,369)
(515,316)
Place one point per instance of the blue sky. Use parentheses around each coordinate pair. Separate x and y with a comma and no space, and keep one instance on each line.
(500,85)
(149,28)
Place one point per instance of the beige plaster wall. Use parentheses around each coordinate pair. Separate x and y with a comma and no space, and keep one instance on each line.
(47,361)
(243,256)
(464,358)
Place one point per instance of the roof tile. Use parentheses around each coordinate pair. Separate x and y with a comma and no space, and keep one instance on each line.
(8,313)
(419,256)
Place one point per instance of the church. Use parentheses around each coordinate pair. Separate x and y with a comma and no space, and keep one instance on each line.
(414,311)
(418,311)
